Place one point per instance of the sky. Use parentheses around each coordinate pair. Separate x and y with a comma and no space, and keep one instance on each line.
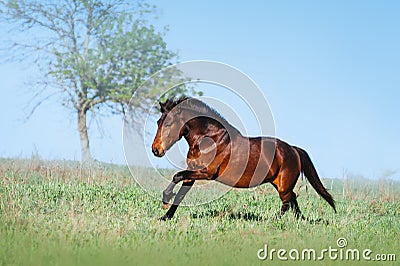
(329,70)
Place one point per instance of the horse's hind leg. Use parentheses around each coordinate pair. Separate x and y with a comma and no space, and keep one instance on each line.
(286,203)
(284,184)
(295,207)
(289,201)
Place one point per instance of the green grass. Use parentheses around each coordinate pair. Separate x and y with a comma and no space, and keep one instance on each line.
(62,213)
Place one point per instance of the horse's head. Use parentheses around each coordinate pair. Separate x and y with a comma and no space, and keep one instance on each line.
(171,127)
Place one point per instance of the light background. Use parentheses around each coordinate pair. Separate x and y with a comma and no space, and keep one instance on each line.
(330,72)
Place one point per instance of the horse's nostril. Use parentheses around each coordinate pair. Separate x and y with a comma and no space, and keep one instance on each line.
(155,151)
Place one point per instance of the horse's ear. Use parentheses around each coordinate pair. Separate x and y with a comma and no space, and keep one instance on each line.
(166,106)
(162,106)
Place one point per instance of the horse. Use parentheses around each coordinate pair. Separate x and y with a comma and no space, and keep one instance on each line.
(219,152)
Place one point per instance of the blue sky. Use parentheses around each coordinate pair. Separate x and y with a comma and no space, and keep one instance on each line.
(329,70)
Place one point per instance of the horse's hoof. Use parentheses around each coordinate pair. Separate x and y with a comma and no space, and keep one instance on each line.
(166,205)
(277,216)
(318,221)
(164,218)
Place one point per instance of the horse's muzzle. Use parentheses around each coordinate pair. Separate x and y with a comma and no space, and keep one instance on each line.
(158,153)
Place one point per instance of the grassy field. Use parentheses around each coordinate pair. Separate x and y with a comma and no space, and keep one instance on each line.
(62,213)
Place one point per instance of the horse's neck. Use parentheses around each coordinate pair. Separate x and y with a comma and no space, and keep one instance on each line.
(221,130)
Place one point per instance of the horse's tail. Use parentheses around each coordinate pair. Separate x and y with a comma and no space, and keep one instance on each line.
(309,171)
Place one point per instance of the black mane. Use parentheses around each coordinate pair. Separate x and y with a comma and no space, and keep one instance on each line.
(195,105)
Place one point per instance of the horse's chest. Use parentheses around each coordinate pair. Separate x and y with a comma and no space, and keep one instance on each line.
(202,155)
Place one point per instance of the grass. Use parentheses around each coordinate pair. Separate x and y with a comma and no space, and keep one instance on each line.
(63,213)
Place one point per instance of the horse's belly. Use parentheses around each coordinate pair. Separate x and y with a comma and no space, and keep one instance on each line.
(245,177)
(233,181)
(249,163)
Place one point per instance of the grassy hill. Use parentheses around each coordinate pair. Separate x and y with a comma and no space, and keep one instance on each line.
(63,213)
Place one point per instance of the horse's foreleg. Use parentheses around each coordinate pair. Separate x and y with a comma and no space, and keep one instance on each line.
(168,193)
(186,186)
(189,176)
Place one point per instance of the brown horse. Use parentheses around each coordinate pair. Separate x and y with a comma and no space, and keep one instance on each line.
(218,151)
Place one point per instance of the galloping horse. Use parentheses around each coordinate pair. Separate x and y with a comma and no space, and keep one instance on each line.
(218,151)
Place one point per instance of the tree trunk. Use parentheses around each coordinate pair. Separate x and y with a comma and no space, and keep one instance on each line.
(83,134)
